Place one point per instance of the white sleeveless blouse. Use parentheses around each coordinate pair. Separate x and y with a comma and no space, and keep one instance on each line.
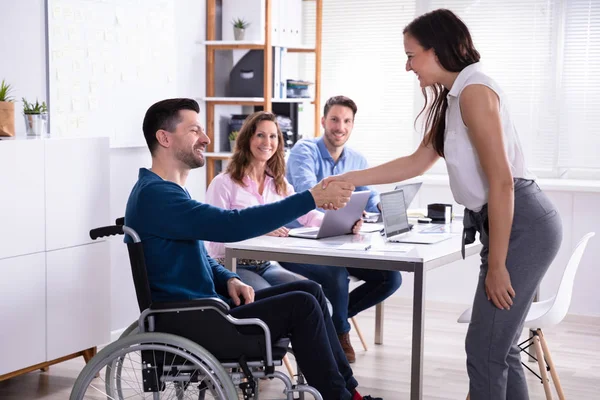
(467,180)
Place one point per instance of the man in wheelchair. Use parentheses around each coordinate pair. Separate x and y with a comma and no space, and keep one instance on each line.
(172,227)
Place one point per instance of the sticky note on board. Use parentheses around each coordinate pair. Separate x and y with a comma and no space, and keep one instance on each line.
(75,105)
(119,16)
(56,12)
(92,103)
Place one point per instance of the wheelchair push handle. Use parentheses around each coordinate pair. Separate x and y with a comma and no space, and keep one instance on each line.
(106,231)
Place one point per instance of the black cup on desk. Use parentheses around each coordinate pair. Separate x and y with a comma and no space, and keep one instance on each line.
(440,213)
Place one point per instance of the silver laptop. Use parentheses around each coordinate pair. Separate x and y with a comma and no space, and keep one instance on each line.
(410,191)
(395,221)
(336,222)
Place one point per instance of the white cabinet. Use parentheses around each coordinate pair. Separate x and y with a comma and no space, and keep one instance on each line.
(54,280)
(77,190)
(21,197)
(22,312)
(78,301)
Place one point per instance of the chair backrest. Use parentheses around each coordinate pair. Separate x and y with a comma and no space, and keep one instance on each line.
(562,300)
(138,269)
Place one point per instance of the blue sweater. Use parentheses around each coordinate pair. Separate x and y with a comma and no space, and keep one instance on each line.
(172,227)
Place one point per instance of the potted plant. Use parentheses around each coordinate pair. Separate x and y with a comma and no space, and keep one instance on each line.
(7,110)
(36,117)
(239,28)
(232,137)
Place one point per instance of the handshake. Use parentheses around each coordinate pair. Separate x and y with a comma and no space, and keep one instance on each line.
(332,193)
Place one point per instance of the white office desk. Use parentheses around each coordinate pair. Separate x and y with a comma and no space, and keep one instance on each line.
(420,259)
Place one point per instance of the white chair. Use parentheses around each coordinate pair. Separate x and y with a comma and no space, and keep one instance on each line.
(547,313)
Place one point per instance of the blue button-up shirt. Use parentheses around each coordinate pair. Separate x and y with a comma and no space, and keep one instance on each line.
(310,162)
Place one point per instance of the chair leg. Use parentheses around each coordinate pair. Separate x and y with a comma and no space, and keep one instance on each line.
(289,366)
(553,372)
(542,365)
(358,331)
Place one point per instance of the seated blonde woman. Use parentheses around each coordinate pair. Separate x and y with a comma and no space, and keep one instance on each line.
(256,176)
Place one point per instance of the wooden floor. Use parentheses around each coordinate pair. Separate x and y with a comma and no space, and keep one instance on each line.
(384,371)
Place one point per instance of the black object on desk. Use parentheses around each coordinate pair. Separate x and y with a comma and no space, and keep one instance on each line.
(439,213)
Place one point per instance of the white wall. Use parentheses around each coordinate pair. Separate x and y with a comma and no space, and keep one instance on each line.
(23,53)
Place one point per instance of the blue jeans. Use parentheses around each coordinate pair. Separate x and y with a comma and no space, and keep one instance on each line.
(265,275)
(377,286)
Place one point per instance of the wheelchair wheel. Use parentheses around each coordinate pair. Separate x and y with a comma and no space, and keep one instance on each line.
(153,365)
(132,329)
(115,368)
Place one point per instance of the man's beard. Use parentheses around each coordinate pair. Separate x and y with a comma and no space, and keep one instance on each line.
(334,140)
(189,159)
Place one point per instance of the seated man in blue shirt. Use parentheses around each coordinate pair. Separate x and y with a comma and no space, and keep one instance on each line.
(172,227)
(310,161)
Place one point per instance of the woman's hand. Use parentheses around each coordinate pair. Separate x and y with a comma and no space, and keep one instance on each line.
(357,226)
(498,287)
(280,232)
(333,178)
(325,182)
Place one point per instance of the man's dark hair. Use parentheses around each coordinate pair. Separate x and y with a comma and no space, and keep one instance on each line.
(165,115)
(340,101)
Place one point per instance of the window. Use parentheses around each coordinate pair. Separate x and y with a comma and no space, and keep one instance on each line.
(580,87)
(362,57)
(545,54)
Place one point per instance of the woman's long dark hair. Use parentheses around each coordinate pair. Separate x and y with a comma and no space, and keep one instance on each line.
(240,160)
(449,37)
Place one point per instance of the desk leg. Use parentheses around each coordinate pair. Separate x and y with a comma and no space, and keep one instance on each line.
(230,260)
(379,323)
(416,378)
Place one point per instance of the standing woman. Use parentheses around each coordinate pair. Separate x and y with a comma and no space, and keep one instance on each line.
(469,125)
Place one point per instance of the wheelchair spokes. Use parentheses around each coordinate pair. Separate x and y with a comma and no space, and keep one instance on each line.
(138,368)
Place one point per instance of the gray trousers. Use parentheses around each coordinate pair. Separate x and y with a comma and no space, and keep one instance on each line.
(493,357)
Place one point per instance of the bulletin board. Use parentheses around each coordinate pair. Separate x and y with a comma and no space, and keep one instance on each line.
(108,61)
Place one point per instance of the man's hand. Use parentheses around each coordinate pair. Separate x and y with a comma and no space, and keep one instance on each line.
(237,289)
(334,196)
(357,226)
(280,232)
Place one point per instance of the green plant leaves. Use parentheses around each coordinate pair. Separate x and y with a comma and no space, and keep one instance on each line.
(37,108)
(5,90)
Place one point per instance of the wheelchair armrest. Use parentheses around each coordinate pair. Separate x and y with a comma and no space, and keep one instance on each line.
(198,304)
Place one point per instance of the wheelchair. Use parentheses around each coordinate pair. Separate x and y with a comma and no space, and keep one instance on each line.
(183,350)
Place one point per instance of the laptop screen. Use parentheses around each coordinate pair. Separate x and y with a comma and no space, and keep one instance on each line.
(410,191)
(395,220)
